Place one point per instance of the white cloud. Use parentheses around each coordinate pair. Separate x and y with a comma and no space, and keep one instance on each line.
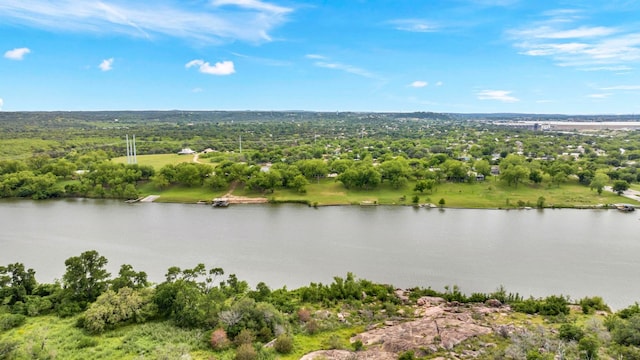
(599,96)
(622,87)
(315,57)
(499,95)
(563,37)
(16,54)
(419,84)
(106,64)
(253,5)
(344,67)
(439,83)
(414,25)
(212,22)
(220,68)
(1,103)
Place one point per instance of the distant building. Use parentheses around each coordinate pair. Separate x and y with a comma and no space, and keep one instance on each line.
(186,151)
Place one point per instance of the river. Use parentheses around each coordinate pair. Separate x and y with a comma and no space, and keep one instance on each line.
(533,252)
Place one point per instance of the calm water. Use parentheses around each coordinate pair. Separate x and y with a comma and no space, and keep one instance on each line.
(572,252)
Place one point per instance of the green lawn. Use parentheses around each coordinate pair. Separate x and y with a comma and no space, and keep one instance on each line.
(157,160)
(487,194)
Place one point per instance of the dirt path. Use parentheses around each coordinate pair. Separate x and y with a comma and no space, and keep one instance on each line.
(233,199)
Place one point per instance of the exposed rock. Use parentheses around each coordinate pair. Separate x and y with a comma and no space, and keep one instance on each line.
(430,301)
(441,326)
(349,355)
(401,294)
(493,303)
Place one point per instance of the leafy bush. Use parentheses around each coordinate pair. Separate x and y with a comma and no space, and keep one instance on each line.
(284,344)
(554,305)
(246,352)
(592,304)
(111,309)
(10,321)
(627,332)
(246,336)
(570,332)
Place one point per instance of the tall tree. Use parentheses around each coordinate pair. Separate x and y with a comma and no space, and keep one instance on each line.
(86,276)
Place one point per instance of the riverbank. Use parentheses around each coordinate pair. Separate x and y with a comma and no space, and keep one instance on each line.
(491,194)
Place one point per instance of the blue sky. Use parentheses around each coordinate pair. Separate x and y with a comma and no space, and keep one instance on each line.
(564,56)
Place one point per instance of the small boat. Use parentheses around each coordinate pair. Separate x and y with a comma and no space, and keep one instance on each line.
(220,203)
(625,207)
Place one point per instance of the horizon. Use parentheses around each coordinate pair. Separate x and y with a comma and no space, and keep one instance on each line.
(579,58)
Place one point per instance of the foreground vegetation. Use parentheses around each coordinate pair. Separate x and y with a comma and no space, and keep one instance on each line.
(314,158)
(199,313)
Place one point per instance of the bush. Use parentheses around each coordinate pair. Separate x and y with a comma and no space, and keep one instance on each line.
(358,345)
(589,346)
(570,332)
(312,327)
(592,304)
(219,339)
(407,355)
(554,305)
(245,336)
(246,352)
(304,315)
(10,321)
(284,344)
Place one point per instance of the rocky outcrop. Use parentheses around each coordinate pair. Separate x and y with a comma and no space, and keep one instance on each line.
(438,325)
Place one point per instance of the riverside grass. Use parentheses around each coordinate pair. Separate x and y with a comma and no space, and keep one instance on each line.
(490,194)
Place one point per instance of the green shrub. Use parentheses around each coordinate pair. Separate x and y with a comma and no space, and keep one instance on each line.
(357,345)
(284,344)
(407,355)
(10,321)
(554,305)
(589,346)
(246,352)
(592,304)
(570,332)
(245,336)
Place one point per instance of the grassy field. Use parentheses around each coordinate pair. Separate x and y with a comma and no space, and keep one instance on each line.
(488,194)
(156,160)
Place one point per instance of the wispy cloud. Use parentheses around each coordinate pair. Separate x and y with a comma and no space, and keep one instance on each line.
(220,68)
(565,37)
(16,54)
(215,21)
(262,60)
(106,64)
(254,5)
(439,83)
(1,103)
(499,95)
(599,96)
(622,87)
(414,25)
(327,63)
(419,84)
